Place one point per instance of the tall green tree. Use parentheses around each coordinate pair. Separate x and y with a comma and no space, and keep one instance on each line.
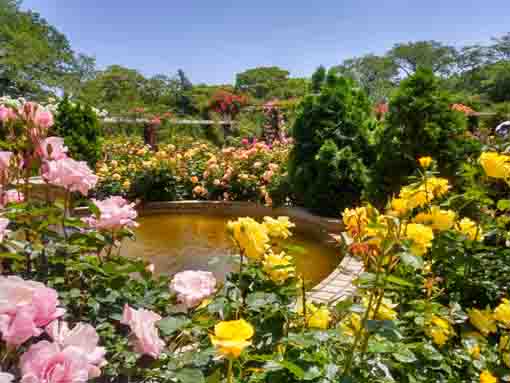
(318,78)
(34,56)
(377,75)
(259,82)
(433,55)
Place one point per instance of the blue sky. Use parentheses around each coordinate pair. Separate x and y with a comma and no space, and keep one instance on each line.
(213,40)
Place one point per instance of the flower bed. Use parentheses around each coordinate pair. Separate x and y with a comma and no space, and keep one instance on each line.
(192,171)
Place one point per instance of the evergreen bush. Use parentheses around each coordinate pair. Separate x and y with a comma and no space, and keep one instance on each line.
(329,166)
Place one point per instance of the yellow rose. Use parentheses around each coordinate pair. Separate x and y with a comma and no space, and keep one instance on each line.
(438,186)
(421,237)
(279,227)
(439,330)
(502,313)
(425,162)
(231,337)
(483,320)
(279,267)
(495,165)
(470,229)
(487,377)
(415,196)
(116,177)
(399,206)
(126,184)
(355,220)
(385,311)
(250,236)
(438,219)
(318,317)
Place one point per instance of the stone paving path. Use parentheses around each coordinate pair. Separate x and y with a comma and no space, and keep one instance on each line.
(338,285)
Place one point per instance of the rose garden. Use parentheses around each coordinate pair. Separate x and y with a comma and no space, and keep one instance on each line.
(126,255)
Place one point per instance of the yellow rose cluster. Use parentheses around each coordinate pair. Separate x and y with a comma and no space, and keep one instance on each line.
(253,238)
(279,267)
(437,219)
(421,237)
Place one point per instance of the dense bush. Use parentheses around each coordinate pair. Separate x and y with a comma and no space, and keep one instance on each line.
(420,121)
(329,166)
(79,126)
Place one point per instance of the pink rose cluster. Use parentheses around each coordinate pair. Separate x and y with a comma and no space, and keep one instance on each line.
(60,170)
(192,287)
(25,307)
(74,356)
(114,214)
(145,335)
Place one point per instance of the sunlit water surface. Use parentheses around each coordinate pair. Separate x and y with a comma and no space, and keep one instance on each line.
(199,242)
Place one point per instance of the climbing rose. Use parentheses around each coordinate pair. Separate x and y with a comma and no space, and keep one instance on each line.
(70,174)
(145,335)
(52,148)
(24,307)
(45,362)
(192,287)
(4,222)
(114,213)
(82,337)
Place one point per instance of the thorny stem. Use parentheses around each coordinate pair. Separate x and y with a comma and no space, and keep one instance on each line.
(229,371)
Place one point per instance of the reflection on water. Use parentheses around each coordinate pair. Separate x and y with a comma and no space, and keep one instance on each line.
(179,242)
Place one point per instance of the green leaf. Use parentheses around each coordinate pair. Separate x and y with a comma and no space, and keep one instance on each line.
(398,281)
(503,204)
(411,260)
(259,299)
(404,355)
(215,377)
(294,369)
(169,325)
(189,375)
(312,373)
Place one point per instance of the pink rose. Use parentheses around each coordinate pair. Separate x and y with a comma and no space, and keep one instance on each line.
(19,328)
(82,337)
(70,174)
(25,306)
(52,148)
(6,114)
(43,118)
(145,335)
(114,213)
(12,196)
(245,141)
(192,287)
(4,222)
(46,362)
(5,161)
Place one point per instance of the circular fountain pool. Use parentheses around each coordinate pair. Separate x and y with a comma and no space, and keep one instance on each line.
(176,242)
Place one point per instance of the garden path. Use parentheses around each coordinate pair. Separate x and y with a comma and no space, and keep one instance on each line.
(338,285)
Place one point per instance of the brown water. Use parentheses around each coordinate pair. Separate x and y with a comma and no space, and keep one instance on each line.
(181,242)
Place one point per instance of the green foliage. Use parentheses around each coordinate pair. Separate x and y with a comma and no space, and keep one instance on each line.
(259,82)
(318,78)
(329,166)
(80,128)
(419,123)
(34,55)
